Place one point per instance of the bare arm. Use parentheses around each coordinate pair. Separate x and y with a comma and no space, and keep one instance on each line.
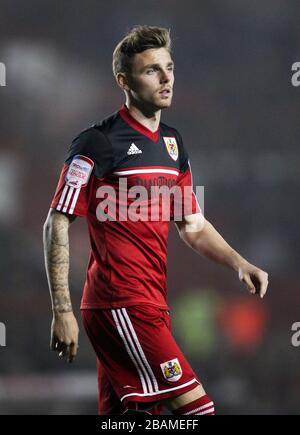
(64,331)
(201,236)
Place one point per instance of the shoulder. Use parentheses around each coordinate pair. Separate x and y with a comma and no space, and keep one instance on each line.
(92,143)
(165,128)
(95,137)
(88,142)
(98,131)
(108,124)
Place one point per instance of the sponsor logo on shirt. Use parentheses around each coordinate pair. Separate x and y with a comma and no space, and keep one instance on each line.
(171,370)
(172,147)
(79,171)
(153,182)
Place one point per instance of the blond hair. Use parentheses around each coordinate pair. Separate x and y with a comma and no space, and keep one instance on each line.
(138,39)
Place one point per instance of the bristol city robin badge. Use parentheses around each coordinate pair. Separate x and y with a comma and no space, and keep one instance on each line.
(172,147)
(171,370)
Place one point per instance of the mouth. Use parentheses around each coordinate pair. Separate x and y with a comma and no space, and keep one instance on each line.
(165,92)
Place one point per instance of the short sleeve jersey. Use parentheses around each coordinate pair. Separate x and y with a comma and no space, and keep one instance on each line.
(114,174)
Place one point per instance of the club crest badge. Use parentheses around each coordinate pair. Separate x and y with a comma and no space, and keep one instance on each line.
(172,147)
(171,370)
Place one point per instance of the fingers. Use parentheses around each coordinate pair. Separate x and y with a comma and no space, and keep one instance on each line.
(247,280)
(72,352)
(263,290)
(64,349)
(257,282)
(260,279)
(57,345)
(54,343)
(263,285)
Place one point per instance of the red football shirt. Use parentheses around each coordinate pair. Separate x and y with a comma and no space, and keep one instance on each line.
(108,169)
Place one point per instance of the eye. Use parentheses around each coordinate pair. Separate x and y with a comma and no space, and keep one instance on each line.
(150,71)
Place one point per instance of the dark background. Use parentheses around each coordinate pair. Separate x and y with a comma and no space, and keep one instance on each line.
(239,116)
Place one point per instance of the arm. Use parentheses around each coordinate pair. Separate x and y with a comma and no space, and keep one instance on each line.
(64,329)
(201,236)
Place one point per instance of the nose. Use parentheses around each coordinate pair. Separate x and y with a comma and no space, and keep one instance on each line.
(165,76)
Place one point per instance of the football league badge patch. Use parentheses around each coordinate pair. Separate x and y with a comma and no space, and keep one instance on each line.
(79,171)
(172,147)
(171,370)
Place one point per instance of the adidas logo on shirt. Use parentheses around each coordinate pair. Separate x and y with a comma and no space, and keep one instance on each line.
(133,150)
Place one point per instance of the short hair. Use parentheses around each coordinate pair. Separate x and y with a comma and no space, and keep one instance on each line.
(137,40)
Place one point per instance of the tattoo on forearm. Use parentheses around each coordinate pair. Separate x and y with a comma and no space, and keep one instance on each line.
(61,302)
(56,251)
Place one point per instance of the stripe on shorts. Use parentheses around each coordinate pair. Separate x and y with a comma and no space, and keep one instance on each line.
(135,351)
(138,345)
(202,409)
(120,330)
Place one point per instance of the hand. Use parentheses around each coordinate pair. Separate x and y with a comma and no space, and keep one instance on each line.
(255,279)
(64,335)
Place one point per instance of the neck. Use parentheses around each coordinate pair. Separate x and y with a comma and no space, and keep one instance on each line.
(145,116)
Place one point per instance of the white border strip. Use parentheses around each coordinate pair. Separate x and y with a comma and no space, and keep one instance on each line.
(161,391)
(208,411)
(62,197)
(68,199)
(147,171)
(74,200)
(201,408)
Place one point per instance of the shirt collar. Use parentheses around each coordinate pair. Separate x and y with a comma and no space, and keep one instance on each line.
(136,125)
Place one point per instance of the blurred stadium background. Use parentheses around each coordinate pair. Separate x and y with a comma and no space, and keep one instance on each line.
(239,116)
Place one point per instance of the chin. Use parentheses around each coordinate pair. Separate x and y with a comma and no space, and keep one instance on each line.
(164,104)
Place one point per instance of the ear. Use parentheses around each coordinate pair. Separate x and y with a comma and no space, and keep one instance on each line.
(122,81)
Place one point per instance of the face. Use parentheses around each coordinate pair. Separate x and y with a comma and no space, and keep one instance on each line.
(152,78)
